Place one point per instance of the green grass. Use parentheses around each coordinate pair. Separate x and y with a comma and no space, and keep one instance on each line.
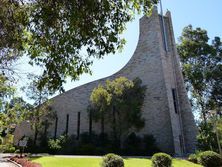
(95,162)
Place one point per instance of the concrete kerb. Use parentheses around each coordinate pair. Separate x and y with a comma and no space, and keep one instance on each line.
(15,163)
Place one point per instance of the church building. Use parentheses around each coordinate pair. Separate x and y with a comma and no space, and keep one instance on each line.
(166,108)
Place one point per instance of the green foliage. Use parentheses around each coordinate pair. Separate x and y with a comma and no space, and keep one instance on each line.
(13,18)
(112,160)
(13,109)
(136,145)
(150,146)
(64,36)
(119,102)
(42,115)
(161,160)
(54,145)
(210,159)
(1,140)
(87,149)
(6,91)
(93,144)
(132,145)
(202,70)
(7,144)
(193,158)
(206,138)
(7,148)
(62,145)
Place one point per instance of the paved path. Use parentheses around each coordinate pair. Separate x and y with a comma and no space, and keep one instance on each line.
(4,162)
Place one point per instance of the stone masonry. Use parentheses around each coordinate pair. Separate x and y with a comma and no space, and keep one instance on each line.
(166,107)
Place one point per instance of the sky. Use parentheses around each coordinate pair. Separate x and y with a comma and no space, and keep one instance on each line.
(206,14)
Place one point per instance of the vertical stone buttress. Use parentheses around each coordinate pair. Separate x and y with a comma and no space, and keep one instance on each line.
(187,123)
(182,121)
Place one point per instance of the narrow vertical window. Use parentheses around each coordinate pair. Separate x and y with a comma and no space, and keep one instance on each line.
(56,124)
(78,126)
(181,143)
(67,124)
(90,122)
(175,100)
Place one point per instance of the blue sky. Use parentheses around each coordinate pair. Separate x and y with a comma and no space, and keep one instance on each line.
(206,14)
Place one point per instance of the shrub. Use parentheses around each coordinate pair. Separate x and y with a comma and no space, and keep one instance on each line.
(62,145)
(86,149)
(112,160)
(54,145)
(150,144)
(132,145)
(136,145)
(193,158)
(210,159)
(68,145)
(161,160)
(1,140)
(7,148)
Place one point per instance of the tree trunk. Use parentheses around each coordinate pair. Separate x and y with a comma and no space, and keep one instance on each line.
(114,127)
(204,117)
(102,124)
(36,135)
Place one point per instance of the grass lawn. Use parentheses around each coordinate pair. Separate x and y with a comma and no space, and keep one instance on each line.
(95,162)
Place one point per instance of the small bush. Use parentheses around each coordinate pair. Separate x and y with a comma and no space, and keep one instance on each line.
(210,159)
(112,160)
(161,160)
(193,158)
(150,144)
(7,148)
(54,145)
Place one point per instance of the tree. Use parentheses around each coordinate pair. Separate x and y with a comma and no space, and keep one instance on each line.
(15,111)
(13,20)
(207,138)
(216,95)
(62,37)
(41,114)
(201,65)
(202,70)
(6,91)
(120,101)
(101,100)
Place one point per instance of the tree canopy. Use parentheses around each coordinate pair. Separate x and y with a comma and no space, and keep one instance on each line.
(62,37)
(41,115)
(118,106)
(202,68)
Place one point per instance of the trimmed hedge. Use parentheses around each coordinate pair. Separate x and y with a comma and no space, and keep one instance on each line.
(161,160)
(112,160)
(210,159)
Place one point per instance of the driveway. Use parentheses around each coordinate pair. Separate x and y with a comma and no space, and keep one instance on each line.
(4,162)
